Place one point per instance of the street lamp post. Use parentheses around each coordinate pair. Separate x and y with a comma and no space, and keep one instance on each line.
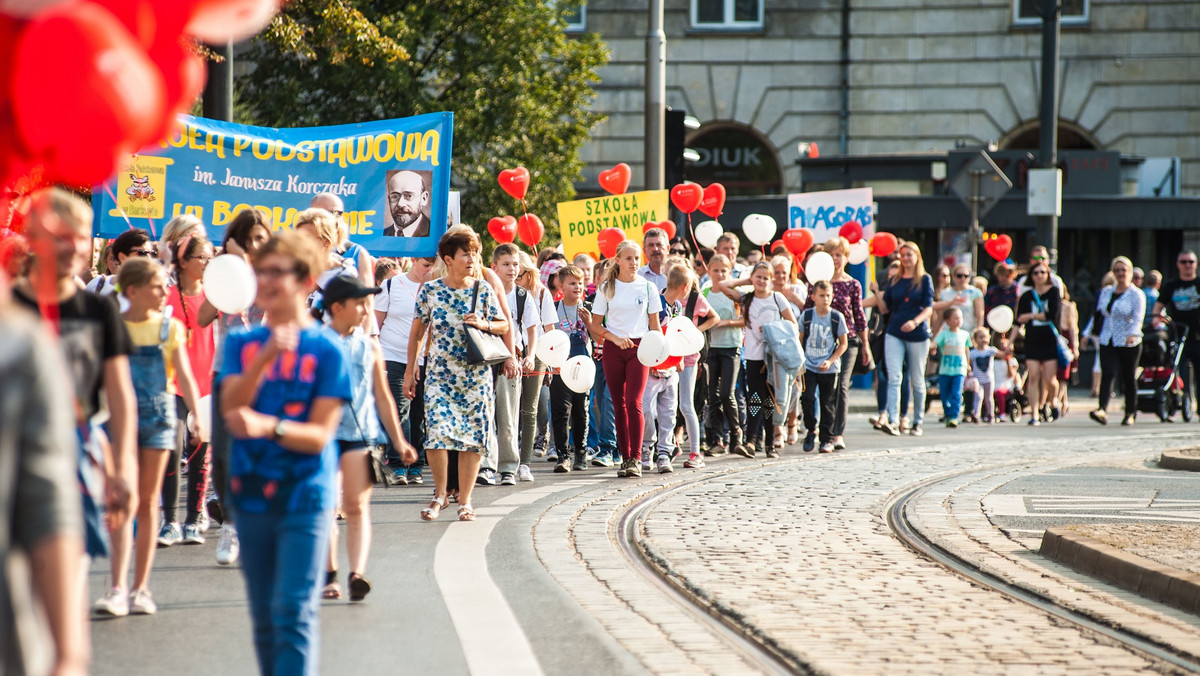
(1047,225)
(656,95)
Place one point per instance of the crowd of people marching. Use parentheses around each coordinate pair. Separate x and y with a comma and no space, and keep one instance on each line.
(347,372)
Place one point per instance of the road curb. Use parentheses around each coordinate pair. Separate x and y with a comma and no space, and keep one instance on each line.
(1174,458)
(1174,587)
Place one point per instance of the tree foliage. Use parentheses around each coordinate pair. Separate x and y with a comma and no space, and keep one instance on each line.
(520,89)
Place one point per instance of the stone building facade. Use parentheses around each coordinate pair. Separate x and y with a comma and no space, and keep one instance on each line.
(920,75)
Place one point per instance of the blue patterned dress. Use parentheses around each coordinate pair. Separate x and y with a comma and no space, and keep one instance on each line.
(459,398)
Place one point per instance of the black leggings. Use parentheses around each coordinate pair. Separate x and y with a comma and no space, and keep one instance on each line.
(760,402)
(1121,363)
(198,470)
(723,366)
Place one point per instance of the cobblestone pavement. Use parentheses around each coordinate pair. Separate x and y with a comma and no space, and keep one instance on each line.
(799,551)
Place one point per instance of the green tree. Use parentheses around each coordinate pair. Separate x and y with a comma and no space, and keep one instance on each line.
(521,91)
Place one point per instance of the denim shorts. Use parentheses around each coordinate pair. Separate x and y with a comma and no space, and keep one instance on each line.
(345,447)
(156,421)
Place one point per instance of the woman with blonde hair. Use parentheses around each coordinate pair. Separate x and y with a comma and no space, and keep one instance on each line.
(910,301)
(183,225)
(1122,307)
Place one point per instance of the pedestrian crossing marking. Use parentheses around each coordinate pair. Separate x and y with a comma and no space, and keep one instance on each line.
(1090,506)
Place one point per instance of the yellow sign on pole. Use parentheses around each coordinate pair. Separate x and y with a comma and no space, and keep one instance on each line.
(580,221)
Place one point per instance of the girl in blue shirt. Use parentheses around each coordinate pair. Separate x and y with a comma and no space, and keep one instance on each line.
(282,391)
(910,301)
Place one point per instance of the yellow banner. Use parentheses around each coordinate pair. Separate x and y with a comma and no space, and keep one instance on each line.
(580,221)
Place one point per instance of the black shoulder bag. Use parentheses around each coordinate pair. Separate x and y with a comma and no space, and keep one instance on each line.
(484,348)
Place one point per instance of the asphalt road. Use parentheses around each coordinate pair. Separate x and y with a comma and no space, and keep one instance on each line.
(450,599)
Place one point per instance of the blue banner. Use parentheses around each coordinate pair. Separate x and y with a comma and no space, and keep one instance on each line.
(392,175)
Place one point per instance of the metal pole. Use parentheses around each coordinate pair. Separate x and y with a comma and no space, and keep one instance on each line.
(217,103)
(1047,226)
(656,96)
(974,233)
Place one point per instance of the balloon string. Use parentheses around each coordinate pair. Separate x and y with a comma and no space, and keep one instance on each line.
(118,206)
(692,232)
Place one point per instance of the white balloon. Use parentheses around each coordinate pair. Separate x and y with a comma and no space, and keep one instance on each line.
(860,251)
(759,228)
(819,267)
(579,373)
(553,348)
(683,338)
(654,349)
(707,233)
(230,284)
(203,417)
(1000,318)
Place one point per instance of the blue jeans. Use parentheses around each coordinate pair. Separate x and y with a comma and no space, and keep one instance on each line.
(602,425)
(283,563)
(916,353)
(881,389)
(951,391)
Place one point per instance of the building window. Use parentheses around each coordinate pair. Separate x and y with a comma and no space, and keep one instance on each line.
(1029,11)
(726,14)
(575,15)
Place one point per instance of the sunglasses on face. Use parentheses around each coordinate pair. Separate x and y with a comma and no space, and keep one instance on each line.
(962,276)
(1037,258)
(145,253)
(678,252)
(1187,262)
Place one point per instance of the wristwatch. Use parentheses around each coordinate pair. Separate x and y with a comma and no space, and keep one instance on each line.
(278,433)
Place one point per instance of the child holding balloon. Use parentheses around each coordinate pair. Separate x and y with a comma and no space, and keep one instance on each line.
(684,300)
(571,407)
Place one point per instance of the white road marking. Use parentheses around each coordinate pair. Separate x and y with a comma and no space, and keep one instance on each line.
(492,640)
(1088,506)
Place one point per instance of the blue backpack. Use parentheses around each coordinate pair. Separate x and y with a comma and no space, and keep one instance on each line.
(781,341)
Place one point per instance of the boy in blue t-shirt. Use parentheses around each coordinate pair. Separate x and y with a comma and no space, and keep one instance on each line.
(823,335)
(570,408)
(951,344)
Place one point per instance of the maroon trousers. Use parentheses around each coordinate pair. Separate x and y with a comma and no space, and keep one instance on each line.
(626,378)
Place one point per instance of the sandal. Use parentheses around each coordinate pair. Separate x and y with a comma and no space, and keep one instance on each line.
(359,587)
(331,592)
(452,496)
(792,435)
(466,513)
(436,505)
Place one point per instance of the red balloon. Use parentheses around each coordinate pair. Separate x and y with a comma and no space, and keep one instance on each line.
(530,230)
(608,239)
(712,203)
(883,244)
(999,247)
(616,180)
(503,229)
(778,244)
(686,197)
(106,91)
(798,241)
(666,226)
(515,182)
(852,231)
(669,363)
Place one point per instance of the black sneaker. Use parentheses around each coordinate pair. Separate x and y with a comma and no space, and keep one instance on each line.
(214,510)
(580,464)
(745,449)
(810,442)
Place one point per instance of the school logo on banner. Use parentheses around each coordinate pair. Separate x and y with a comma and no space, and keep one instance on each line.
(392,175)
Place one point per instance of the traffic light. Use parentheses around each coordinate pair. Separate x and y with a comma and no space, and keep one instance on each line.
(676,154)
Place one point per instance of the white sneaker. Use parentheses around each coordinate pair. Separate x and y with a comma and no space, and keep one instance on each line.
(523,473)
(169,534)
(204,522)
(193,534)
(227,546)
(140,603)
(115,603)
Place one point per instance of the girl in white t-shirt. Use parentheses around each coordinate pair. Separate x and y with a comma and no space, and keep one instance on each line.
(626,307)
(760,307)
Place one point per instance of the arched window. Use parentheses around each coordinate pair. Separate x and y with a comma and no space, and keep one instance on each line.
(1028,136)
(736,156)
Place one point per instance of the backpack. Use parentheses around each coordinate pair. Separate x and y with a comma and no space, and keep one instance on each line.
(782,343)
(835,322)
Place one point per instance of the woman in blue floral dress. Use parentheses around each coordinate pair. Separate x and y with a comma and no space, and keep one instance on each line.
(458,396)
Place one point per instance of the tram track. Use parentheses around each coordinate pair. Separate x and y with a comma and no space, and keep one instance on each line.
(900,526)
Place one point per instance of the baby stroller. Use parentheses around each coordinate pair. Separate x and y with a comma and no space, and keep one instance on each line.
(1160,380)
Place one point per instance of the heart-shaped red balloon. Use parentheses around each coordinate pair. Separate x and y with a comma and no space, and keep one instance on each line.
(852,231)
(503,229)
(798,241)
(515,182)
(616,180)
(999,247)
(530,230)
(883,244)
(608,239)
(712,203)
(686,197)
(665,226)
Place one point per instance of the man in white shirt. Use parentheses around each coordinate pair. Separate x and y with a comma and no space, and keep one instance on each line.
(1039,254)
(506,264)
(654,248)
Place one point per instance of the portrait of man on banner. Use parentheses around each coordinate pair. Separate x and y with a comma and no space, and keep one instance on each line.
(407,196)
